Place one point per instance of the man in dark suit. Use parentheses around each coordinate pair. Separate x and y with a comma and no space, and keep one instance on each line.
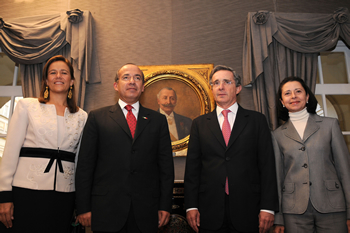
(124,175)
(179,126)
(230,176)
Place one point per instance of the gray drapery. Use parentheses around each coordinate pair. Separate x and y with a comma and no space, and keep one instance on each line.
(278,45)
(31,41)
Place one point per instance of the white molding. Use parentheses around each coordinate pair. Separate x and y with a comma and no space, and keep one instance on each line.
(332,89)
(11,91)
(336,88)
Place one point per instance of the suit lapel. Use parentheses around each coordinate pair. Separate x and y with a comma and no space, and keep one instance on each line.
(290,131)
(239,124)
(214,126)
(116,113)
(310,129)
(142,120)
(311,126)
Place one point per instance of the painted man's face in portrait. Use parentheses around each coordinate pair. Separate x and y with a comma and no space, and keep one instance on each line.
(167,101)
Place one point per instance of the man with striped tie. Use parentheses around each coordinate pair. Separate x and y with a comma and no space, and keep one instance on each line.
(230,177)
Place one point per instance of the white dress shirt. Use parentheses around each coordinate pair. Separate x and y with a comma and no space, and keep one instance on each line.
(231,115)
(135,108)
(171,123)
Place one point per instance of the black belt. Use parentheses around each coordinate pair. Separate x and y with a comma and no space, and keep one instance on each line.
(53,155)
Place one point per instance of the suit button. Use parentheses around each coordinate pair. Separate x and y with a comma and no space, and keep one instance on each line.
(133,152)
(227,158)
(305,165)
(310,183)
(302,148)
(336,185)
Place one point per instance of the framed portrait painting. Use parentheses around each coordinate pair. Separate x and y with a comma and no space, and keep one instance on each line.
(181,93)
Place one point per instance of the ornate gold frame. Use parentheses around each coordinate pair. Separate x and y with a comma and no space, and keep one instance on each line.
(195,76)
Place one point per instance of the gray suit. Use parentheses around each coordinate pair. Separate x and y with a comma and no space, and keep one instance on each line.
(316,168)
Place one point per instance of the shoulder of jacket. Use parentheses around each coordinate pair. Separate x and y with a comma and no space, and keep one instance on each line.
(182,117)
(102,109)
(204,116)
(151,111)
(280,128)
(81,111)
(250,112)
(28,101)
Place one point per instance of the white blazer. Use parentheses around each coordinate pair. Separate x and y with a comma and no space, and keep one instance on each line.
(34,124)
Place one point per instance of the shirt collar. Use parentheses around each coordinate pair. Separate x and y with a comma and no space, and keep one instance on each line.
(233,108)
(122,105)
(162,112)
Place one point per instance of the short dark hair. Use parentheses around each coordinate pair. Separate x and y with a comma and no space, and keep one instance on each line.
(72,104)
(217,68)
(310,106)
(117,75)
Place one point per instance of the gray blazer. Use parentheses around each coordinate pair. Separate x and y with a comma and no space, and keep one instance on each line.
(315,168)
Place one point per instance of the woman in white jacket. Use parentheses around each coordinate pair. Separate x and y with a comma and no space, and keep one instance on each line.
(37,188)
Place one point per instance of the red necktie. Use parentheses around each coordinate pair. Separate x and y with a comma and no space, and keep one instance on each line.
(226,128)
(226,132)
(130,118)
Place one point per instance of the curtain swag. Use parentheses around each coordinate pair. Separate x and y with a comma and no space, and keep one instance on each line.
(75,16)
(277,45)
(3,24)
(260,17)
(301,32)
(31,41)
(341,15)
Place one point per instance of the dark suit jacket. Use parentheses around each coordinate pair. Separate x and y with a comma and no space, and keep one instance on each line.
(115,170)
(183,125)
(314,168)
(247,161)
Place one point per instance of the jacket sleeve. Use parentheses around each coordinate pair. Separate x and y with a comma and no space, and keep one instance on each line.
(15,137)
(166,168)
(279,173)
(193,169)
(341,159)
(86,165)
(267,167)
(81,135)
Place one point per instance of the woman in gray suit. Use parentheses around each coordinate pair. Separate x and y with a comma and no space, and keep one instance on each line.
(313,165)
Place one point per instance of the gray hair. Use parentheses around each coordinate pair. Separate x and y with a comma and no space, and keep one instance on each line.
(167,88)
(217,68)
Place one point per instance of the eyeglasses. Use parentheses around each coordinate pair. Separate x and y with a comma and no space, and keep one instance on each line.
(224,81)
(136,78)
